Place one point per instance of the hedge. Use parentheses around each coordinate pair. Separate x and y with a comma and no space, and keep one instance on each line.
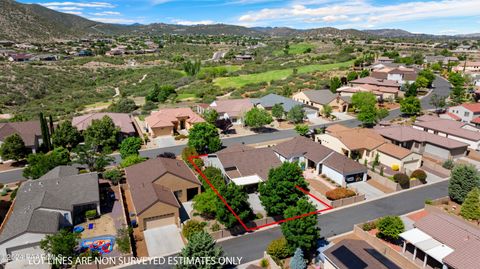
(420,175)
(402,179)
(339,193)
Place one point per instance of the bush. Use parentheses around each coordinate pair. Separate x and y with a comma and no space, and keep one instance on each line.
(114,175)
(369,226)
(402,179)
(215,227)
(90,214)
(395,167)
(339,193)
(192,227)
(123,239)
(448,164)
(264,263)
(131,160)
(181,136)
(259,216)
(420,175)
(390,227)
(279,249)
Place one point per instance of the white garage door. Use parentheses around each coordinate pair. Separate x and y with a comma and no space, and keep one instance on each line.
(31,251)
(159,221)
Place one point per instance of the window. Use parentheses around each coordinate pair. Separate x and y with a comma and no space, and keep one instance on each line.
(466,114)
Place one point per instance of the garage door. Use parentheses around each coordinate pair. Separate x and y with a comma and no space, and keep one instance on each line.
(159,221)
(25,251)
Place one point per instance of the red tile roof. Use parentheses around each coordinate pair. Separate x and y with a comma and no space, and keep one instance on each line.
(474,107)
(453,116)
(167,117)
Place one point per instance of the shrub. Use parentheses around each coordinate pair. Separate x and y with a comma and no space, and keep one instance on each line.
(123,239)
(259,216)
(215,227)
(368,226)
(90,214)
(264,263)
(279,249)
(448,164)
(339,193)
(181,136)
(192,227)
(114,175)
(428,201)
(390,227)
(471,206)
(131,160)
(420,175)
(395,167)
(402,179)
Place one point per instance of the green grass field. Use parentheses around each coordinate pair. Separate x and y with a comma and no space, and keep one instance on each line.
(240,81)
(183,96)
(295,49)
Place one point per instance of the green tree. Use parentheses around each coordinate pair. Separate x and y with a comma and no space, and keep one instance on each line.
(296,114)
(153,94)
(124,105)
(188,152)
(60,244)
(410,106)
(215,177)
(45,132)
(411,89)
(437,101)
(279,191)
(277,111)
(205,203)
(335,83)
(302,232)
(327,110)
(257,118)
(279,249)
(429,75)
(192,227)
(422,82)
(114,175)
(39,164)
(463,179)
(302,129)
(66,136)
(165,92)
(457,94)
(204,138)
(382,113)
(365,103)
(352,76)
(130,146)
(13,148)
(131,160)
(471,206)
(237,198)
(102,134)
(390,228)
(297,261)
(192,68)
(201,245)
(90,156)
(364,73)
(210,116)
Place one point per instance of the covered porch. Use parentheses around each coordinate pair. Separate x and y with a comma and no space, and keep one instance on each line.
(422,249)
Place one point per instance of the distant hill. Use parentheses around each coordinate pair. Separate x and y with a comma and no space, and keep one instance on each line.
(390,33)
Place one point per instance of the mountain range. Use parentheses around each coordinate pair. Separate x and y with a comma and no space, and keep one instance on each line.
(36,23)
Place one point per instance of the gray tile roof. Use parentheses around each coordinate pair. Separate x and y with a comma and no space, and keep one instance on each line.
(268,101)
(302,146)
(36,197)
(322,97)
(28,130)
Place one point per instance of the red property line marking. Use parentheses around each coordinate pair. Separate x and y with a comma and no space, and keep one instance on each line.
(328,207)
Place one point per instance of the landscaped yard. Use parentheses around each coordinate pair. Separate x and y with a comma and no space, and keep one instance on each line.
(183,96)
(240,81)
(295,49)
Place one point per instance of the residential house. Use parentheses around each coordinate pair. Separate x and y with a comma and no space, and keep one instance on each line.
(365,145)
(43,206)
(313,155)
(268,101)
(427,144)
(19,57)
(381,93)
(170,121)
(455,130)
(384,60)
(387,88)
(319,98)
(468,67)
(467,112)
(244,165)
(156,189)
(401,74)
(121,120)
(29,131)
(442,240)
(232,109)
(353,254)
(444,60)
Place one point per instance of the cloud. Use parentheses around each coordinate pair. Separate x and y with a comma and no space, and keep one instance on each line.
(66,8)
(79,4)
(363,12)
(188,22)
(78,13)
(113,20)
(159,2)
(106,13)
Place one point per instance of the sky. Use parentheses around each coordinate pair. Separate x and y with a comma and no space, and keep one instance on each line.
(417,16)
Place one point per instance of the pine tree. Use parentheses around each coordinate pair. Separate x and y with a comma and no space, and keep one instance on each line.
(471,206)
(464,178)
(201,245)
(298,262)
(45,132)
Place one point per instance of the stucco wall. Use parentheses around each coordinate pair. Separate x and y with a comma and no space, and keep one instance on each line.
(158,209)
(176,183)
(334,175)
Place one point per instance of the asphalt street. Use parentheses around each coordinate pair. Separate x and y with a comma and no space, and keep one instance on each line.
(442,88)
(250,247)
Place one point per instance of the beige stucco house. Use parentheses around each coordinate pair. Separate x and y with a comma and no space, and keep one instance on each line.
(170,121)
(319,98)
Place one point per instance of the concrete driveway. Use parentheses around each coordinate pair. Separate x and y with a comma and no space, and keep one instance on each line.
(163,240)
(164,141)
(255,204)
(367,189)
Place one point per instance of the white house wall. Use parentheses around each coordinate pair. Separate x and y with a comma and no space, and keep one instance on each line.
(334,175)
(22,240)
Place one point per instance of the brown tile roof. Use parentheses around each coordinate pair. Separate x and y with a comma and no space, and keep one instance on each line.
(457,234)
(375,81)
(451,127)
(30,131)
(302,146)
(167,117)
(141,177)
(343,164)
(121,120)
(404,134)
(357,138)
(353,254)
(233,107)
(250,161)
(394,151)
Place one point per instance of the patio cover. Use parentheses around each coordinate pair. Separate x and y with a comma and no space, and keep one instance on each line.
(248,180)
(415,236)
(439,252)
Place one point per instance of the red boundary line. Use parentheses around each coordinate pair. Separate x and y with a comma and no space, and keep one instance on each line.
(328,207)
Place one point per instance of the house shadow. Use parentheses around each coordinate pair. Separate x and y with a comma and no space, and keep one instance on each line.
(107,198)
